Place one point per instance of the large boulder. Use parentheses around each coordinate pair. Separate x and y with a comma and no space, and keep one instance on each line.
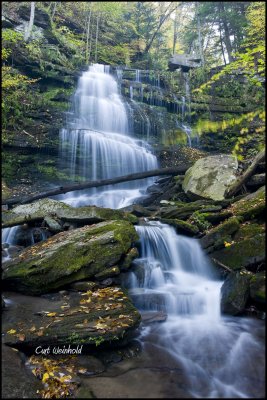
(210,177)
(235,292)
(70,256)
(56,213)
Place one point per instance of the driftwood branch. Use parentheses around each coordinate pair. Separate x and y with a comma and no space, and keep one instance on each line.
(246,175)
(91,184)
(221,264)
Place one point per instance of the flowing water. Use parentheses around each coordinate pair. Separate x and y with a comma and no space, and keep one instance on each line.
(96,143)
(220,356)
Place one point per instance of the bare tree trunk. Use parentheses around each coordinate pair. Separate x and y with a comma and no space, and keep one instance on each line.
(226,31)
(96,36)
(246,175)
(174,32)
(200,41)
(30,25)
(221,42)
(87,36)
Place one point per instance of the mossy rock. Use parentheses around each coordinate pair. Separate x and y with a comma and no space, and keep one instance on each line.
(217,235)
(250,206)
(130,256)
(181,227)
(257,288)
(6,191)
(235,292)
(248,230)
(69,256)
(103,317)
(60,211)
(243,254)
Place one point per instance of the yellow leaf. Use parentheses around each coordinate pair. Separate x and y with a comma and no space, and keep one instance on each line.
(52,314)
(33,329)
(12,331)
(45,377)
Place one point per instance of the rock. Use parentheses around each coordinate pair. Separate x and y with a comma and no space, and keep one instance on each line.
(103,317)
(148,300)
(69,256)
(210,177)
(106,282)
(235,292)
(257,287)
(221,233)
(246,253)
(17,380)
(182,227)
(107,273)
(3,302)
(154,189)
(130,256)
(55,212)
(83,286)
(256,180)
(53,225)
(153,316)
(250,206)
(183,210)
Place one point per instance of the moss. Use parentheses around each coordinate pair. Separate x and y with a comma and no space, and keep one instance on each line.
(182,226)
(221,232)
(242,254)
(251,206)
(70,256)
(248,230)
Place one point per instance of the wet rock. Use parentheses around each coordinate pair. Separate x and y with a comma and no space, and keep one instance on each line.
(257,287)
(83,286)
(104,317)
(153,316)
(235,292)
(182,227)
(17,380)
(130,256)
(53,225)
(106,282)
(210,177)
(152,300)
(69,256)
(221,233)
(107,273)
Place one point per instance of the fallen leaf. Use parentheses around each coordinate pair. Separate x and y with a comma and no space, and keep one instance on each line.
(11,331)
(21,337)
(52,314)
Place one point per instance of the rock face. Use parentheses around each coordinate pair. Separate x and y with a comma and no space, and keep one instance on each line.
(210,177)
(235,292)
(70,256)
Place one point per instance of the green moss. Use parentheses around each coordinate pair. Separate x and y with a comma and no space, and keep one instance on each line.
(70,256)
(251,206)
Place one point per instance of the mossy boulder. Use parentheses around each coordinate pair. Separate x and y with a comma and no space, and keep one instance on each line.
(251,206)
(235,292)
(257,287)
(182,227)
(56,213)
(103,317)
(221,233)
(247,253)
(69,256)
(210,177)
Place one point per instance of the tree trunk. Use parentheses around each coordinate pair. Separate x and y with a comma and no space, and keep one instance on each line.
(221,42)
(226,31)
(246,175)
(96,36)
(54,10)
(87,36)
(30,25)
(200,41)
(103,182)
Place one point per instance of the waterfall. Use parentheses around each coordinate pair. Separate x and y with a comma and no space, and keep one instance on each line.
(96,143)
(219,356)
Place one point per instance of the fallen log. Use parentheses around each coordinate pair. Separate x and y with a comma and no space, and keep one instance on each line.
(91,184)
(246,175)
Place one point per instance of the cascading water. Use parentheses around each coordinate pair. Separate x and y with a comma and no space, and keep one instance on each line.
(96,143)
(220,356)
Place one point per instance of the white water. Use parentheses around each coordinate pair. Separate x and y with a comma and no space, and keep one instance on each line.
(220,356)
(96,142)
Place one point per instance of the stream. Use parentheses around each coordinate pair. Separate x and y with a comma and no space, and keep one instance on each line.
(196,352)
